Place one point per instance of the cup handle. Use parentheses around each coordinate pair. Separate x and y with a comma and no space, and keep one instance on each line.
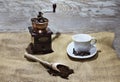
(93,41)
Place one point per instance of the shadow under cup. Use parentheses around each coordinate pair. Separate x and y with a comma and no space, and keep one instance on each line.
(83,42)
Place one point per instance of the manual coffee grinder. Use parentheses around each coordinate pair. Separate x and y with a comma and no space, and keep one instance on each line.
(41,41)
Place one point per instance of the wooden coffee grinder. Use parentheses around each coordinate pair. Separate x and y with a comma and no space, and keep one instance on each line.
(41,41)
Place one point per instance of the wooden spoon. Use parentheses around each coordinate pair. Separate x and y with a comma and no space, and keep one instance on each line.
(63,70)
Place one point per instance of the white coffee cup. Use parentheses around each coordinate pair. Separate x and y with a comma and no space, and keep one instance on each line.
(83,42)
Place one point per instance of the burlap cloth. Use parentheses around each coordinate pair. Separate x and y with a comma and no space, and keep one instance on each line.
(104,67)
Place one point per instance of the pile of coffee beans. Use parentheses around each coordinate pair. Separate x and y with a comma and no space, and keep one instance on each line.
(65,71)
(81,53)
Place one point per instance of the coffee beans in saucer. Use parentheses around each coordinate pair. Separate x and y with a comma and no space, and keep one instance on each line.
(81,53)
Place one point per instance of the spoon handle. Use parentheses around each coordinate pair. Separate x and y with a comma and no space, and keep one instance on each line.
(29,56)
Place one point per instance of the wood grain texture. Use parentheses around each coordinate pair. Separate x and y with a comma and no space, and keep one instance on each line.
(104,67)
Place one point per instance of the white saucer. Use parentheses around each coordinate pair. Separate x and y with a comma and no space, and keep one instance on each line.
(70,47)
